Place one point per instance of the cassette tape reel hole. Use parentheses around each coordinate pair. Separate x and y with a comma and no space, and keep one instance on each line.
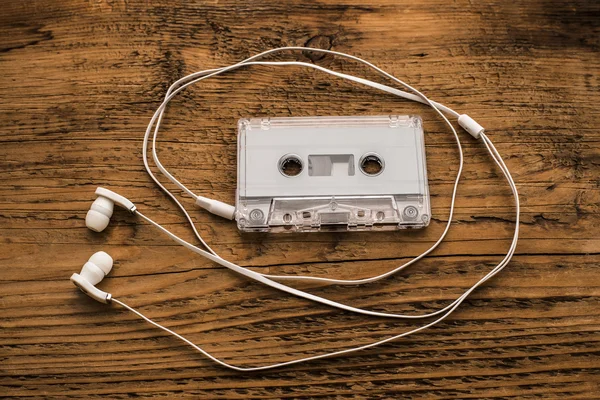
(290,165)
(371,164)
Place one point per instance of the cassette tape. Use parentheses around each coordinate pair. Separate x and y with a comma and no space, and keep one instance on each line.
(331,173)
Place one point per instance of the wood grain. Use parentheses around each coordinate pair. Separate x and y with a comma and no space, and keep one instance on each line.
(80,81)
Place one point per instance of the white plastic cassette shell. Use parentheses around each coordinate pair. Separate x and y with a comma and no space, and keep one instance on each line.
(331,192)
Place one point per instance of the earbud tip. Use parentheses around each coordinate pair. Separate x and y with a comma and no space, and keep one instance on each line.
(103,261)
(96,221)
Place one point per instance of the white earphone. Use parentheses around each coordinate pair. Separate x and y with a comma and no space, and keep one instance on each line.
(101,210)
(92,273)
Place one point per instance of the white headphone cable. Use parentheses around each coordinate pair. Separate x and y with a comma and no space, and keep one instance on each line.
(98,217)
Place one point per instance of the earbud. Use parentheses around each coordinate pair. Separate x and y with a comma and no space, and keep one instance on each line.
(98,216)
(92,273)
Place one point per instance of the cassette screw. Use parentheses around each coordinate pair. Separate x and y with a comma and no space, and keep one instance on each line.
(256,215)
(411,212)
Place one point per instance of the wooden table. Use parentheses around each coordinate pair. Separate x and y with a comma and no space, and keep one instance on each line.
(79,82)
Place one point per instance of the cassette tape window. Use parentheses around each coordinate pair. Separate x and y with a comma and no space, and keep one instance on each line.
(334,173)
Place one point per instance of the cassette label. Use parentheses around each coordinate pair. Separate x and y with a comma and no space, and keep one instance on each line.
(331,173)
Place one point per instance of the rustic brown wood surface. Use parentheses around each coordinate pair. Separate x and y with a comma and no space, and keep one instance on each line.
(79,82)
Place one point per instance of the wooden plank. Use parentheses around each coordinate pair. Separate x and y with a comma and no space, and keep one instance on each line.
(81,80)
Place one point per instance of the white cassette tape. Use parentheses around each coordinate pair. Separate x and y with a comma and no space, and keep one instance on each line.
(331,173)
